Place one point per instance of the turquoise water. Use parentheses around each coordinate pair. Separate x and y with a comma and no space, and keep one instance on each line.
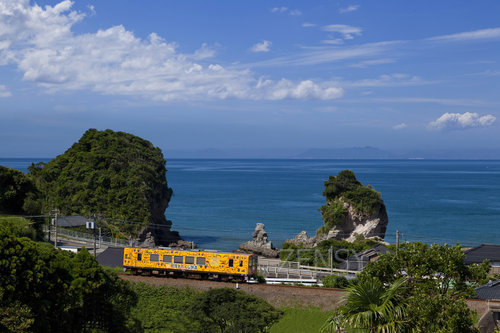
(217,203)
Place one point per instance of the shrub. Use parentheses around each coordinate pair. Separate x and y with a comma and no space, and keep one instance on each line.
(335,281)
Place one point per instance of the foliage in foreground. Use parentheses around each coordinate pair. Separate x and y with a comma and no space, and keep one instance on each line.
(43,289)
(231,310)
(47,290)
(300,319)
(372,307)
(335,281)
(438,283)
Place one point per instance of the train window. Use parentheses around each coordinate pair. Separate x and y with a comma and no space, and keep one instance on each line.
(153,257)
(231,261)
(178,259)
(250,261)
(189,260)
(241,263)
(139,256)
(167,258)
(202,261)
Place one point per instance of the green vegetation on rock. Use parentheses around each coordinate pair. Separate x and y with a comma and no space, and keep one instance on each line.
(346,188)
(115,175)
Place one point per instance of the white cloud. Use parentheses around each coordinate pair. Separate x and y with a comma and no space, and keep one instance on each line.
(400,126)
(4,91)
(433,100)
(461,121)
(264,46)
(488,72)
(328,54)
(40,42)
(366,63)
(292,12)
(347,32)
(308,25)
(285,89)
(492,33)
(336,41)
(388,80)
(279,9)
(348,9)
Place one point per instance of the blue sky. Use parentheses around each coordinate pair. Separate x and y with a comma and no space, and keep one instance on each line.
(258,75)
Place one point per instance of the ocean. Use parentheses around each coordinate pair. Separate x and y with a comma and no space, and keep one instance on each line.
(217,203)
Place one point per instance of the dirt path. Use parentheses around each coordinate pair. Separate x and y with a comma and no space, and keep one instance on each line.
(277,295)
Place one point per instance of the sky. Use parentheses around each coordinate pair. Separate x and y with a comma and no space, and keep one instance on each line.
(269,76)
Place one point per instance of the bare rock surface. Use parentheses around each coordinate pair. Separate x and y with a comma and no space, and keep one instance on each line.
(355,224)
(260,243)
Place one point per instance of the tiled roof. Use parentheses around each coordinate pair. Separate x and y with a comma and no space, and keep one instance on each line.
(491,290)
(484,251)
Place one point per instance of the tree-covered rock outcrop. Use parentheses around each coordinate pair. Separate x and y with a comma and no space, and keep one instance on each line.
(352,210)
(115,175)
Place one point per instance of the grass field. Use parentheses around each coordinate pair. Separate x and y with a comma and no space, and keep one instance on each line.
(301,320)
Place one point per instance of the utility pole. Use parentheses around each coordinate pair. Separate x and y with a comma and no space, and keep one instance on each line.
(100,237)
(50,225)
(331,259)
(397,240)
(56,211)
(94,225)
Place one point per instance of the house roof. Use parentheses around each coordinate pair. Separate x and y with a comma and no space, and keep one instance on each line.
(360,260)
(112,257)
(491,290)
(71,221)
(479,253)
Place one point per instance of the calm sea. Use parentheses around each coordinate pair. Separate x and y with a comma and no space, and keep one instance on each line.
(217,203)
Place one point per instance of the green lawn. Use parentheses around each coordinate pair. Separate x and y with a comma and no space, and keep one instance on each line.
(301,320)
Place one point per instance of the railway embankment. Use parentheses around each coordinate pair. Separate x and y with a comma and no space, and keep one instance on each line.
(277,295)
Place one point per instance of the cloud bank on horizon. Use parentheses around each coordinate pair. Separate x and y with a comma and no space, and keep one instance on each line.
(460,121)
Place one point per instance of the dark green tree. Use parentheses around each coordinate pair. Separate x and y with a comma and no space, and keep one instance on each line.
(18,194)
(439,281)
(231,310)
(371,307)
(44,289)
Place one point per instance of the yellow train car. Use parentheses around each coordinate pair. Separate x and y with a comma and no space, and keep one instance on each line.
(192,263)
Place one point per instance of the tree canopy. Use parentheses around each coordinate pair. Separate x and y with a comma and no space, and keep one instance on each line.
(48,290)
(18,194)
(438,283)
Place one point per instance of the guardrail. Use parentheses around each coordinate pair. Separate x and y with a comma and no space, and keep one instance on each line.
(82,236)
(277,268)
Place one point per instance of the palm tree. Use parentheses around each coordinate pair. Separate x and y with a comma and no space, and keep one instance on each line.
(370,307)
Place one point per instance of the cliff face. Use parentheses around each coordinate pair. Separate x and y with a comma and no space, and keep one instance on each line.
(351,210)
(115,175)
